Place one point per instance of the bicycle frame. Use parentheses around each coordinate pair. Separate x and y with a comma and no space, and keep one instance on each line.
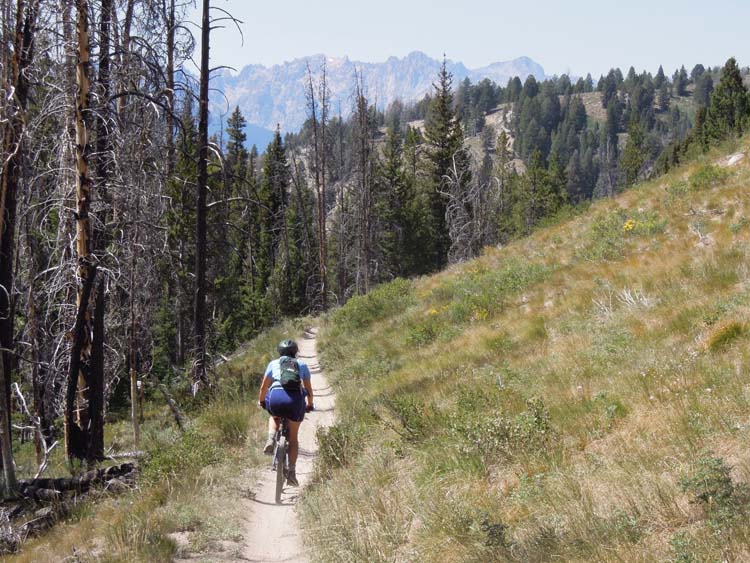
(281,456)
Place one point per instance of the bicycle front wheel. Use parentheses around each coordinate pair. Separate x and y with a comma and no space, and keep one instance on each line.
(280,467)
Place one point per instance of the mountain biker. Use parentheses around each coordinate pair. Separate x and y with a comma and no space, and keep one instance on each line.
(286,401)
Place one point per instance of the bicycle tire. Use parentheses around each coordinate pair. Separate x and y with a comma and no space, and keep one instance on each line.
(280,467)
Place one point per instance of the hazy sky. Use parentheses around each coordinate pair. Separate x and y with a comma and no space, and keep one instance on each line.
(575,36)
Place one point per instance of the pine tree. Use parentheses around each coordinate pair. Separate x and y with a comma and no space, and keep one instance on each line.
(730,107)
(704,86)
(395,209)
(660,79)
(237,155)
(633,156)
(609,88)
(698,71)
(444,138)
(272,198)
(231,243)
(680,82)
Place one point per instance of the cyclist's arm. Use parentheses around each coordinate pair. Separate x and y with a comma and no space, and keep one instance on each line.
(263,389)
(308,388)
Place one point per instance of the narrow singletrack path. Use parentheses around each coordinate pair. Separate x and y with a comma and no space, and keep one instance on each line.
(272,531)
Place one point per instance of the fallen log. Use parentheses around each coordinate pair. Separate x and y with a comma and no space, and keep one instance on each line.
(23,517)
(174,407)
(79,483)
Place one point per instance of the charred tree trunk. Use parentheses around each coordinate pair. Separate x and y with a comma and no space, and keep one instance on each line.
(42,404)
(16,95)
(94,394)
(132,354)
(76,412)
(319,170)
(364,201)
(95,385)
(200,378)
(125,55)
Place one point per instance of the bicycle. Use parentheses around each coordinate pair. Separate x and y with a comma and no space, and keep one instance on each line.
(281,456)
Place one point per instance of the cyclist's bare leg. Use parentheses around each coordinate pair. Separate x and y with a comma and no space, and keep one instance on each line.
(293,442)
(273,425)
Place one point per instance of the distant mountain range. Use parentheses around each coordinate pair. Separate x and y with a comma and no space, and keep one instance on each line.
(268,96)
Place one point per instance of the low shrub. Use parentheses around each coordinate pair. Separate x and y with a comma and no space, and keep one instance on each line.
(483,293)
(504,437)
(338,445)
(191,451)
(383,301)
(682,547)
(707,176)
(724,335)
(605,238)
(416,418)
(230,420)
(711,487)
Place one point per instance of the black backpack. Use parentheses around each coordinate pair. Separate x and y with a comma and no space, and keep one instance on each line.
(289,374)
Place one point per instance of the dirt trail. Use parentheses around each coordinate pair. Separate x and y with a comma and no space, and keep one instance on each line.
(272,530)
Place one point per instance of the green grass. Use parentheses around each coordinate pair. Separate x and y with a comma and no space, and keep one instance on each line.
(550,400)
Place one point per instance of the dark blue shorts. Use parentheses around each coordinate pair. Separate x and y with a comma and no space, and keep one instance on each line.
(286,404)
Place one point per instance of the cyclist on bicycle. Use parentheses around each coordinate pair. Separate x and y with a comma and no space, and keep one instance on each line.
(286,401)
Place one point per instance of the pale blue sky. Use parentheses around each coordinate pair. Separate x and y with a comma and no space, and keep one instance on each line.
(575,36)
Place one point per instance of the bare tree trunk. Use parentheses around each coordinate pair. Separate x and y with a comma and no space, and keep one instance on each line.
(319,175)
(17,86)
(324,107)
(364,199)
(94,395)
(125,53)
(199,320)
(76,421)
(132,341)
(170,22)
(6,447)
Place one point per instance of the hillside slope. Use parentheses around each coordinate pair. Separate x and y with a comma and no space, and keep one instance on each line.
(580,395)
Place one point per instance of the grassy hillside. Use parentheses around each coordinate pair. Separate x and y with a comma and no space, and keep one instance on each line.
(581,395)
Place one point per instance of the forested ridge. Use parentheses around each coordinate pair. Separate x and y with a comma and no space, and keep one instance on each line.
(135,251)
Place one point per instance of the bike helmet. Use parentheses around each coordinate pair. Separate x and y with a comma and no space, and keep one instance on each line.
(288,348)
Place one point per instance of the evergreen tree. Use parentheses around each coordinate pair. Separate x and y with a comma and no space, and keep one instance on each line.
(230,243)
(664,96)
(513,90)
(698,71)
(444,138)
(272,196)
(395,206)
(698,134)
(530,87)
(237,155)
(609,88)
(704,86)
(633,156)
(589,83)
(660,79)
(295,265)
(730,108)
(680,82)
(172,335)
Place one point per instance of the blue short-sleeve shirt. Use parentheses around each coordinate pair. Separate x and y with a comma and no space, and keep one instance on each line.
(273,372)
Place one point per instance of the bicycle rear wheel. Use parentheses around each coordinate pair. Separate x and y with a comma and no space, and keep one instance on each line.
(280,467)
